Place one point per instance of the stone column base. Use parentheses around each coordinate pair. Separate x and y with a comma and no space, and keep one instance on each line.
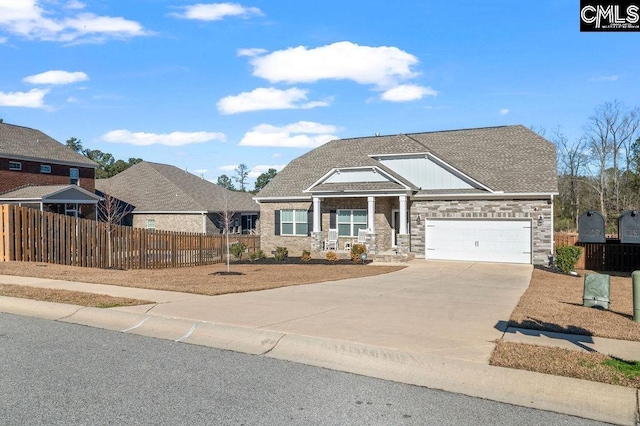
(403,242)
(316,241)
(372,243)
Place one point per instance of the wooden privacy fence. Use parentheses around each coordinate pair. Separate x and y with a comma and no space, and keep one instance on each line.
(33,236)
(609,256)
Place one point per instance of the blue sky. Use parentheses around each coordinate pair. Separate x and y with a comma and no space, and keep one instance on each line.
(206,86)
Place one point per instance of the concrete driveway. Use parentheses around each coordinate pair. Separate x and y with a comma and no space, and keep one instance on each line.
(447,309)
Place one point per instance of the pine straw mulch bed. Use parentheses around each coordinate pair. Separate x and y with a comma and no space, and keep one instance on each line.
(66,296)
(553,302)
(564,362)
(259,275)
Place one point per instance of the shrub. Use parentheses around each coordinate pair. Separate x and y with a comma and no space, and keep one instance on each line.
(280,254)
(356,252)
(567,257)
(332,256)
(261,254)
(306,256)
(253,256)
(237,250)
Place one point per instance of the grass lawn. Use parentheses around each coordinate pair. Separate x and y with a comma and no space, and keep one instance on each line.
(260,275)
(66,296)
(553,302)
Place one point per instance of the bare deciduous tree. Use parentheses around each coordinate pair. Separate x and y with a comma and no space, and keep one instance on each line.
(572,161)
(226,217)
(610,133)
(112,212)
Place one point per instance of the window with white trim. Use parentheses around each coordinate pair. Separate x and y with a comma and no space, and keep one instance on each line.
(74,176)
(351,221)
(293,222)
(15,165)
(45,168)
(151,224)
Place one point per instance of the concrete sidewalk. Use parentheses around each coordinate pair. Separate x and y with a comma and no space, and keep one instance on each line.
(393,326)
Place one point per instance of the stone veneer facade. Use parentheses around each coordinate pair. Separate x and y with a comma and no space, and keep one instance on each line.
(178,222)
(427,209)
(541,238)
(295,244)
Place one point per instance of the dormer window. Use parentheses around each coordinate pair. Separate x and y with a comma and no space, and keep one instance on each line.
(15,165)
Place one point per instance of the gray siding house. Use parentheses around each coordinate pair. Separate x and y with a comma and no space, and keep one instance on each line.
(479,194)
(164,197)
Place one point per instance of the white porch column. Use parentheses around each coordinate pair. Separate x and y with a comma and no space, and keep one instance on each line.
(317,214)
(371,214)
(403,214)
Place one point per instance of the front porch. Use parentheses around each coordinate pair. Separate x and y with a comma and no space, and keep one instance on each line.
(381,222)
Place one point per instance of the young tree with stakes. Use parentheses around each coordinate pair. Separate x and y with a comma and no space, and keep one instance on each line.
(112,211)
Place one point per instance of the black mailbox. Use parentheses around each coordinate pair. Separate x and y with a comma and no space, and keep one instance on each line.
(591,227)
(629,227)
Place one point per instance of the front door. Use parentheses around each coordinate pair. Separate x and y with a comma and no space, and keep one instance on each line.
(395,226)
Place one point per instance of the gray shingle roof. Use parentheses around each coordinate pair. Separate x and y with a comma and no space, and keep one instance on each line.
(26,143)
(161,187)
(38,192)
(512,159)
(32,191)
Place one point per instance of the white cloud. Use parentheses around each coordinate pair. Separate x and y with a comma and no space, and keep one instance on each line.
(407,92)
(217,11)
(267,99)
(382,66)
(251,52)
(73,100)
(504,111)
(258,170)
(228,168)
(34,98)
(28,19)
(56,77)
(604,78)
(276,155)
(3,40)
(74,4)
(200,171)
(303,134)
(169,139)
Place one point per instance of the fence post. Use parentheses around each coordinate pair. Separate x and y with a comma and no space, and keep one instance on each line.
(635,278)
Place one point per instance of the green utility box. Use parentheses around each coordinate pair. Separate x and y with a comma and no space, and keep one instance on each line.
(597,291)
(635,278)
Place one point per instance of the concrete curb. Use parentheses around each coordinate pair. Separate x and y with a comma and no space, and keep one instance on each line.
(607,403)
(581,398)
(37,309)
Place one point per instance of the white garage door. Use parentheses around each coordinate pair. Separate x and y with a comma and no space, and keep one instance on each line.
(479,240)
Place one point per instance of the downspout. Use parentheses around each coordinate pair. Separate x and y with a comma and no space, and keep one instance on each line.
(204,223)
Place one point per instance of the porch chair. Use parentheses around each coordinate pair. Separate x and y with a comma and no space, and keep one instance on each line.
(362,236)
(331,243)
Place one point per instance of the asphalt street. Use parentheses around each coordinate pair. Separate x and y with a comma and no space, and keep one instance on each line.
(58,373)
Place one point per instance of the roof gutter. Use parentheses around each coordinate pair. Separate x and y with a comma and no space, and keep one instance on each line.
(493,195)
(49,161)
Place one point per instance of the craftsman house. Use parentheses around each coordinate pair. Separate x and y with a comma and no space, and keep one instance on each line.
(481,194)
(164,197)
(39,172)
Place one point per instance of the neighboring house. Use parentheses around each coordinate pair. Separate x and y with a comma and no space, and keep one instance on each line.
(480,194)
(167,198)
(37,171)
